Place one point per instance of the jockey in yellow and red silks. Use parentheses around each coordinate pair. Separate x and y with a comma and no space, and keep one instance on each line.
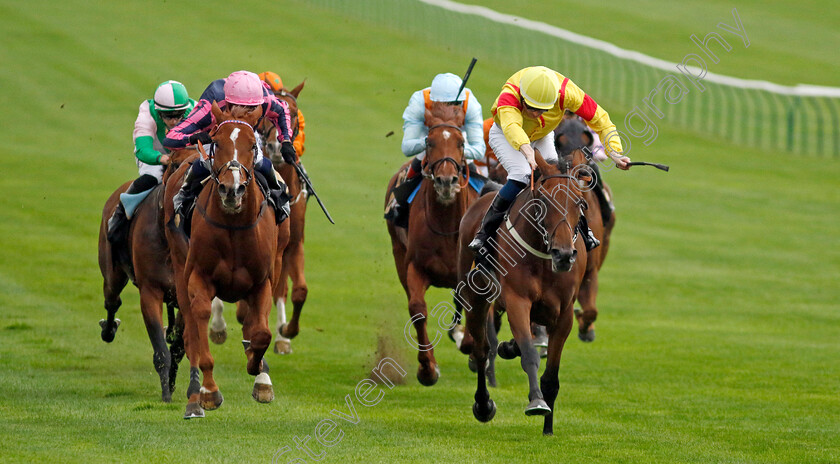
(526,112)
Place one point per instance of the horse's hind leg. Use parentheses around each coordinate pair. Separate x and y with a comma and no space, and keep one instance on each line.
(218,328)
(550,380)
(518,311)
(428,371)
(586,297)
(151,300)
(176,348)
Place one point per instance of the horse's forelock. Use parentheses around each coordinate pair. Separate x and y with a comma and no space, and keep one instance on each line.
(444,113)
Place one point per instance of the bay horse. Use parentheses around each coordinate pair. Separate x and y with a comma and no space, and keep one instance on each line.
(535,276)
(145,261)
(570,142)
(230,254)
(290,261)
(425,253)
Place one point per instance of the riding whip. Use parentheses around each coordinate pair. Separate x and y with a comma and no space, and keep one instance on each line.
(311,189)
(464,80)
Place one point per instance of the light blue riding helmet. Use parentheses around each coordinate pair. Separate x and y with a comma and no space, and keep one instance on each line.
(445,88)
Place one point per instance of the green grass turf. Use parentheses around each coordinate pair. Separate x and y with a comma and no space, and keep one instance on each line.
(717,338)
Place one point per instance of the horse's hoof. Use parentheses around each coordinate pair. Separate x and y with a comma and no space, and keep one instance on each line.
(588,336)
(194,411)
(108,333)
(263,392)
(537,407)
(506,350)
(166,396)
(282,345)
(218,337)
(285,334)
(485,416)
(425,380)
(210,400)
(456,334)
(543,352)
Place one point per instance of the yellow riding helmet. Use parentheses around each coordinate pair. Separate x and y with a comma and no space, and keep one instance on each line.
(539,86)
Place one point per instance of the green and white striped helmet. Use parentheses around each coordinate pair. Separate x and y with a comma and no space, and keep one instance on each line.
(171,96)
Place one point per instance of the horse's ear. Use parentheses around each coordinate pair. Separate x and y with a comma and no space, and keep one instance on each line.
(218,115)
(296,91)
(542,164)
(254,116)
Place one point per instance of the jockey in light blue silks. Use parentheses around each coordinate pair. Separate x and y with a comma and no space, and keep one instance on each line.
(444,88)
(154,119)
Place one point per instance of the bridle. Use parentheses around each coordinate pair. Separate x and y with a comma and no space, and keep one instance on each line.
(429,169)
(232,165)
(549,236)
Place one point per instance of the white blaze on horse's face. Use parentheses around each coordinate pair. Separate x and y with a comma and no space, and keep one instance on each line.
(234,134)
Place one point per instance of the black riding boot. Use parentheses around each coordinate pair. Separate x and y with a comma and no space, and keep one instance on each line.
(589,238)
(185,197)
(118,223)
(495,215)
(278,196)
(399,213)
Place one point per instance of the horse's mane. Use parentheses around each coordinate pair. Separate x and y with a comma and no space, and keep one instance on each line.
(444,113)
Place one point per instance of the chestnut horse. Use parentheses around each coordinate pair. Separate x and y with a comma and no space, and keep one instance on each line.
(144,260)
(535,275)
(230,255)
(290,261)
(425,253)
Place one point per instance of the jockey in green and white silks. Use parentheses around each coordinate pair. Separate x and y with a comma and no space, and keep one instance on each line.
(155,118)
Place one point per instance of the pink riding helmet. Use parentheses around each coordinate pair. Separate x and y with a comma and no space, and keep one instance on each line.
(244,88)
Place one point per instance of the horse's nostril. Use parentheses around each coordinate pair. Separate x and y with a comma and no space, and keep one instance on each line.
(222,189)
(240,189)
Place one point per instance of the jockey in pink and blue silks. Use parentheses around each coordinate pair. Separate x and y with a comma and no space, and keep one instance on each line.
(240,93)
(154,118)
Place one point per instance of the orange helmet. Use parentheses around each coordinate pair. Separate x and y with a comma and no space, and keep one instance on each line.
(272,79)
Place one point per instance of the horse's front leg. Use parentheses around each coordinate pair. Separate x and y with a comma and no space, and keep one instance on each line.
(519,317)
(151,301)
(201,296)
(428,371)
(586,297)
(550,380)
(293,267)
(257,336)
(477,321)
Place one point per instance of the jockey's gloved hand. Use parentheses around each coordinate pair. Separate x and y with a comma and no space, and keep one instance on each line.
(202,137)
(288,152)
